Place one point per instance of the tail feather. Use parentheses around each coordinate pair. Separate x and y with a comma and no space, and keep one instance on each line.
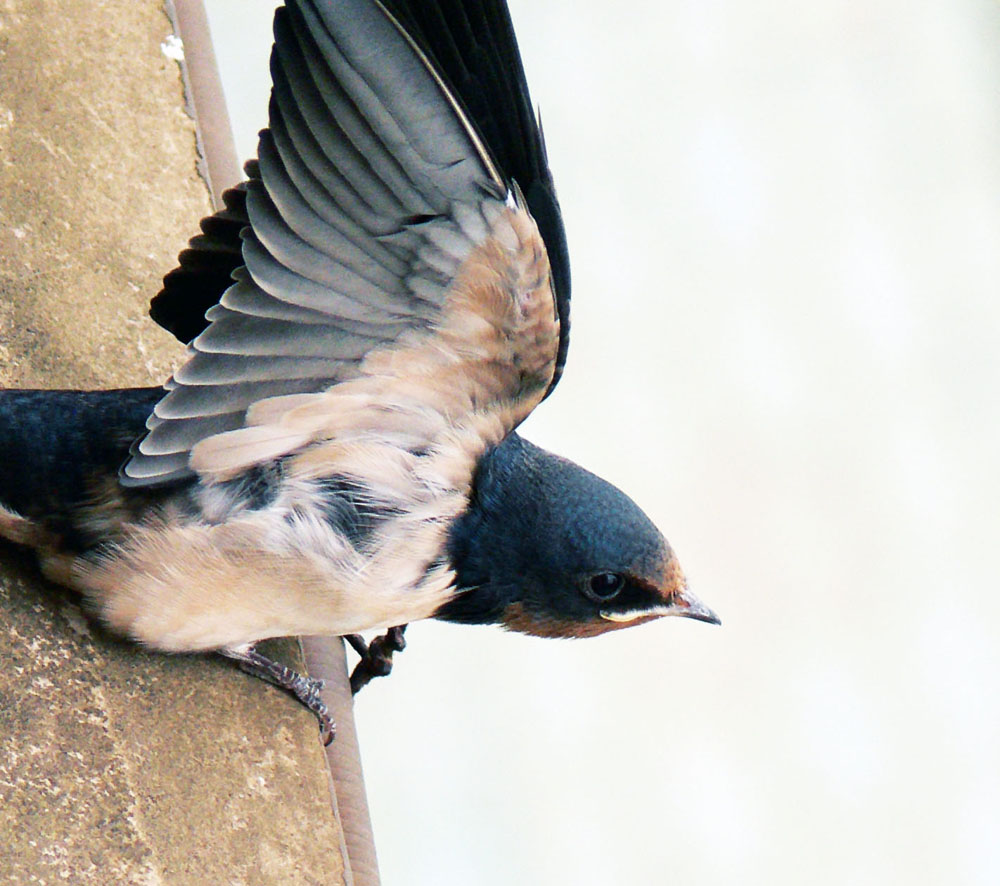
(57,448)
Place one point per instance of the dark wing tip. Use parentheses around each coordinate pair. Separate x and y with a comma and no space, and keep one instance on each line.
(205,268)
(474,48)
(473,45)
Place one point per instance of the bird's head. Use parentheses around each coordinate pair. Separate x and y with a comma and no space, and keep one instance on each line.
(547,548)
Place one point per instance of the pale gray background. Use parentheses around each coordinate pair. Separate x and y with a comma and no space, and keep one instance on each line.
(785,227)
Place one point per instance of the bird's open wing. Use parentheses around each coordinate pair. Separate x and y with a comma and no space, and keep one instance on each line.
(391,263)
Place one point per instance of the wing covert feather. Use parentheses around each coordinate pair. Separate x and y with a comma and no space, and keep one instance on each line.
(384,259)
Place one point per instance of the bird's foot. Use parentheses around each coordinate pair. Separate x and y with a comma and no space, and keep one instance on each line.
(305,689)
(376,657)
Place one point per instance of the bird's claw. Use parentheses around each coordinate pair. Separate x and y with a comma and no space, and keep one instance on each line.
(376,657)
(305,689)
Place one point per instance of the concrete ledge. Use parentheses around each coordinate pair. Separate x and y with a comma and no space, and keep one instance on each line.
(118,765)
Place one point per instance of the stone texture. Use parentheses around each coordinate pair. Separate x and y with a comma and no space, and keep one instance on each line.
(118,765)
(98,190)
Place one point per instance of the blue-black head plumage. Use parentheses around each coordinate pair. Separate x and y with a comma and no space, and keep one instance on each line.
(548,548)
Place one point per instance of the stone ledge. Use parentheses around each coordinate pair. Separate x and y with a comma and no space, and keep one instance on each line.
(119,765)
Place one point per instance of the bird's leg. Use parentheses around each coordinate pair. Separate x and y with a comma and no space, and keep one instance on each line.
(305,689)
(376,657)
(358,644)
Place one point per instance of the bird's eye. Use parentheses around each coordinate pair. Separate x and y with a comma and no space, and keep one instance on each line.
(605,585)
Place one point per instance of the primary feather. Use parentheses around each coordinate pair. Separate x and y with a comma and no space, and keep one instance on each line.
(373,188)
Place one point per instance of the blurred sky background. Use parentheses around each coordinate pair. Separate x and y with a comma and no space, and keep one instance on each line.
(784,221)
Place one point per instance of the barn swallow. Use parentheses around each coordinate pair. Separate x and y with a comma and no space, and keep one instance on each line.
(371,316)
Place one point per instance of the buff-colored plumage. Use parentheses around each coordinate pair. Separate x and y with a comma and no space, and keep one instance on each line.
(410,428)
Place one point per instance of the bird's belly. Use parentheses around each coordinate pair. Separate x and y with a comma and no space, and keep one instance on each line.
(201,587)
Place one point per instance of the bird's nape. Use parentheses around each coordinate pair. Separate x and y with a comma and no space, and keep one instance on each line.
(548,548)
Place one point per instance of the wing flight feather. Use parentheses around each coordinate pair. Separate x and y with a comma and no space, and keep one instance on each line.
(381,240)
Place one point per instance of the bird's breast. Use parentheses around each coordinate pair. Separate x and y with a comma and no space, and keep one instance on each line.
(347,536)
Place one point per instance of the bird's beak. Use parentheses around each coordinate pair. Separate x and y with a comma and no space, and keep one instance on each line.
(682,603)
(688,605)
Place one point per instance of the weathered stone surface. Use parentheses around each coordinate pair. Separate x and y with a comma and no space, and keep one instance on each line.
(97,190)
(119,765)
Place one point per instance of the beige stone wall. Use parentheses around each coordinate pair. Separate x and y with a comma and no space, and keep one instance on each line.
(118,765)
